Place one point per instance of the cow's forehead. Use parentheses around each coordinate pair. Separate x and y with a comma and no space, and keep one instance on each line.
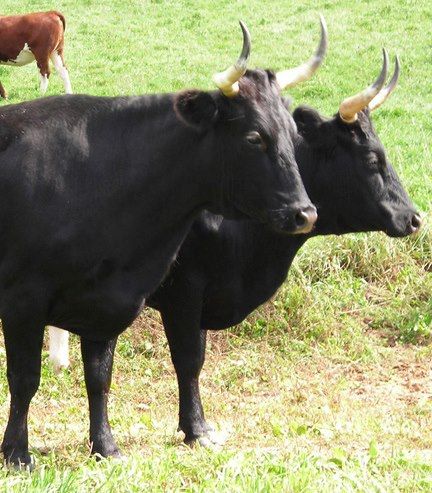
(362,136)
(260,92)
(366,126)
(259,86)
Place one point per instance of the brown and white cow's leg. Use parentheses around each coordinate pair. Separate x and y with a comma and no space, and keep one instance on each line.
(58,348)
(42,60)
(59,64)
(43,83)
(3,92)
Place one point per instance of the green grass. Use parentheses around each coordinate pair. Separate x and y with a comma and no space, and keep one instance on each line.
(327,387)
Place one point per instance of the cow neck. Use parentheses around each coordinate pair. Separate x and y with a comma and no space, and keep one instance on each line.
(309,159)
(177,159)
(164,166)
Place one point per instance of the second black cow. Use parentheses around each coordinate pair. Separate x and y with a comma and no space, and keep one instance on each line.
(226,269)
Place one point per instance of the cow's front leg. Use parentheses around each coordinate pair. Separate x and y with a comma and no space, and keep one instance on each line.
(3,92)
(23,341)
(98,363)
(187,345)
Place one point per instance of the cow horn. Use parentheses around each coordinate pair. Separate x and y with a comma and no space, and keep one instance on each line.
(379,99)
(292,76)
(227,81)
(351,106)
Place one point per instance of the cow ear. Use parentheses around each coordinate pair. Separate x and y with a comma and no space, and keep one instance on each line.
(196,108)
(308,122)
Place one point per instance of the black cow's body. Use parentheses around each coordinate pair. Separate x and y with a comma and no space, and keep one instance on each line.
(232,267)
(226,269)
(97,195)
(81,213)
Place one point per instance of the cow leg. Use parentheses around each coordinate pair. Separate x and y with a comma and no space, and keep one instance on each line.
(58,348)
(43,82)
(3,92)
(187,344)
(98,363)
(59,64)
(23,341)
(42,60)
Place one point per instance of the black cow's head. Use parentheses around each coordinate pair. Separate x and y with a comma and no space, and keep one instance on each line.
(347,173)
(248,136)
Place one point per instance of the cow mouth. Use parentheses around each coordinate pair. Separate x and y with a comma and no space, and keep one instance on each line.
(412,226)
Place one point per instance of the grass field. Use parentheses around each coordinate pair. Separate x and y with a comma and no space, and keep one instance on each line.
(327,388)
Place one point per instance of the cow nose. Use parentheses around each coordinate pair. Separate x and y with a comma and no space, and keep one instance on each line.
(415,223)
(305,220)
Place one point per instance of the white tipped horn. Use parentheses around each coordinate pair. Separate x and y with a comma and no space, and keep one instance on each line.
(380,98)
(293,76)
(351,106)
(227,81)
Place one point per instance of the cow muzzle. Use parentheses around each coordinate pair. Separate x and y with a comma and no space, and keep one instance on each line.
(415,223)
(305,220)
(408,225)
(297,220)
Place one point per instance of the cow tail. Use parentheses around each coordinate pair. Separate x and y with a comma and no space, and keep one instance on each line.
(62,18)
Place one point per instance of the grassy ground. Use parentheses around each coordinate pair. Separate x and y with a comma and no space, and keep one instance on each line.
(328,387)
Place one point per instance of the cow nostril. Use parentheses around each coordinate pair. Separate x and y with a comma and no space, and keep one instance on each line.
(415,222)
(305,219)
(301,218)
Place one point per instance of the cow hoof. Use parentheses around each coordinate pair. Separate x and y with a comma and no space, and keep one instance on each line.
(108,453)
(211,439)
(119,458)
(25,462)
(59,364)
(117,455)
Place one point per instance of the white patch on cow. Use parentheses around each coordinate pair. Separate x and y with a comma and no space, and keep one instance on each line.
(43,83)
(25,56)
(62,71)
(58,348)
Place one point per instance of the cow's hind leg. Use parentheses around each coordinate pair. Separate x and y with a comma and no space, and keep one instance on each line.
(3,92)
(59,64)
(98,363)
(42,60)
(187,344)
(23,341)
(58,348)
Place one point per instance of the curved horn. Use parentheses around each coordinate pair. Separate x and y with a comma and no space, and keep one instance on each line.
(351,106)
(379,99)
(292,76)
(227,81)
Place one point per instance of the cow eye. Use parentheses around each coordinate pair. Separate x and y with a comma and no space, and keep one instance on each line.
(255,139)
(373,160)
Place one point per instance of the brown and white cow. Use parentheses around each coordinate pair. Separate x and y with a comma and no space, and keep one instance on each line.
(29,37)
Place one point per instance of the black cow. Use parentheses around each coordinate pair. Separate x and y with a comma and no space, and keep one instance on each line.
(225,269)
(58,338)
(97,195)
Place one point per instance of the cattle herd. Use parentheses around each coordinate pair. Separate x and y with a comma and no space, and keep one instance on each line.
(100,195)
